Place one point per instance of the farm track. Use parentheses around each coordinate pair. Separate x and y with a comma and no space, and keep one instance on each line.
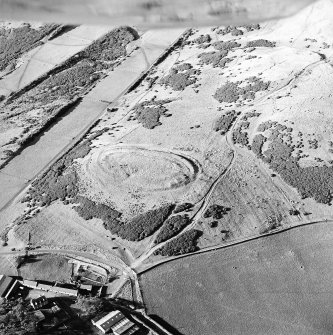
(234,149)
(231,244)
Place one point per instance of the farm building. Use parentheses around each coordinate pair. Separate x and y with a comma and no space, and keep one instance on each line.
(8,286)
(48,288)
(115,321)
(38,302)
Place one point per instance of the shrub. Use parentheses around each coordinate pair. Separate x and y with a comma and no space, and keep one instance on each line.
(185,243)
(172,227)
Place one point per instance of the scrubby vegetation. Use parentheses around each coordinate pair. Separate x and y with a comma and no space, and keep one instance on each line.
(141,226)
(183,207)
(15,42)
(257,143)
(172,227)
(183,244)
(235,31)
(261,43)
(315,182)
(202,39)
(180,77)
(272,222)
(226,45)
(55,94)
(232,91)
(224,123)
(89,209)
(148,113)
(216,211)
(16,318)
(60,182)
(240,137)
(214,58)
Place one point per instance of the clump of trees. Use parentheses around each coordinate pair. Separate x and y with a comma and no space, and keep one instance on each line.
(172,227)
(224,123)
(216,211)
(183,244)
(260,43)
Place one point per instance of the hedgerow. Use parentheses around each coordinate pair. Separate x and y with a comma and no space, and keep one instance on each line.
(180,77)
(224,123)
(172,227)
(185,243)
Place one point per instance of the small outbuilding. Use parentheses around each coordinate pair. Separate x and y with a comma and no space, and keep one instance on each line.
(8,286)
(116,322)
(39,302)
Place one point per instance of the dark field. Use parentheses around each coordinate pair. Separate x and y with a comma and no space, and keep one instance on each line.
(274,285)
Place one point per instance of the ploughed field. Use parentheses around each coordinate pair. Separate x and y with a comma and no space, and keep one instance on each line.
(281,284)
